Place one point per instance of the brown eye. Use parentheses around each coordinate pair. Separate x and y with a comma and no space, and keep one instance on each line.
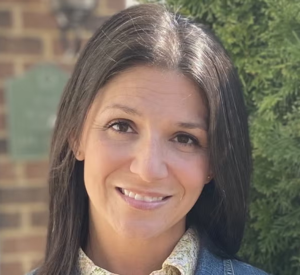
(186,140)
(121,126)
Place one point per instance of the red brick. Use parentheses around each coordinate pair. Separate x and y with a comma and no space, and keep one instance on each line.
(3,146)
(58,48)
(94,22)
(116,5)
(24,244)
(25,45)
(13,268)
(36,169)
(5,19)
(6,69)
(8,220)
(22,1)
(23,195)
(7,171)
(39,218)
(2,122)
(39,20)
(36,263)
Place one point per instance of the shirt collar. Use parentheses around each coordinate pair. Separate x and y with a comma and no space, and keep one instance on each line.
(183,257)
(185,254)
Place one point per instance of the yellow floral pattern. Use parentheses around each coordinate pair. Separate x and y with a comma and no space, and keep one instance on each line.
(182,260)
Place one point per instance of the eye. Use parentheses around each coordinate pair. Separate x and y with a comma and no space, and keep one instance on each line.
(186,140)
(121,127)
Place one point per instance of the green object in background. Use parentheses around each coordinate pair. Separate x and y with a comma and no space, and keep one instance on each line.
(263,38)
(32,100)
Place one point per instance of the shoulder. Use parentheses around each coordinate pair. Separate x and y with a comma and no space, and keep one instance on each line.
(209,264)
(241,268)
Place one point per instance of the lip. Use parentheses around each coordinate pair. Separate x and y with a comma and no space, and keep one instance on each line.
(143,205)
(145,193)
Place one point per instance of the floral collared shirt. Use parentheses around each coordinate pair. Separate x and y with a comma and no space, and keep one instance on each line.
(182,260)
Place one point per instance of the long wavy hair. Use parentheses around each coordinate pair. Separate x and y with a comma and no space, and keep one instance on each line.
(151,34)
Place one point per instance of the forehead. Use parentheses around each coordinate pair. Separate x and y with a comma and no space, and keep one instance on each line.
(163,90)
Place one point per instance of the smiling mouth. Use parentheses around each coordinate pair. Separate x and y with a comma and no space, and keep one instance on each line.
(140,197)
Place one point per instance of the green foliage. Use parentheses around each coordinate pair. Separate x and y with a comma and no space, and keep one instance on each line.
(263,38)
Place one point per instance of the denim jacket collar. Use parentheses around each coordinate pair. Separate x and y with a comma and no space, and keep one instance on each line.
(209,264)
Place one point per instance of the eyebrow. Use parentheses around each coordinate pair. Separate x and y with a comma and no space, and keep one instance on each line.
(124,108)
(184,125)
(191,125)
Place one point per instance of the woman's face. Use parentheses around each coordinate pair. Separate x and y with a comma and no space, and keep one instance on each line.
(145,153)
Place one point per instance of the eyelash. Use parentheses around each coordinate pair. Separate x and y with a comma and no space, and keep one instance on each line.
(118,122)
(195,141)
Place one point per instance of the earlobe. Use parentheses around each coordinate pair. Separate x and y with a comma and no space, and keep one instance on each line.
(209,178)
(79,155)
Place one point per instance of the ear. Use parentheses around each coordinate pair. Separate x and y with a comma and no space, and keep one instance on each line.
(208,179)
(76,149)
(79,155)
(210,176)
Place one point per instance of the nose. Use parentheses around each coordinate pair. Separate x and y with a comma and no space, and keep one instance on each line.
(148,162)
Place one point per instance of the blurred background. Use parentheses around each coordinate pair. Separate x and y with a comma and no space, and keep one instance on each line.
(39,44)
(37,54)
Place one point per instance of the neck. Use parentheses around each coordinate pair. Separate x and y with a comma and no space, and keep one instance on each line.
(124,256)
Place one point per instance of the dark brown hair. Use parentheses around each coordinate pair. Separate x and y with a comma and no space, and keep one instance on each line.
(150,34)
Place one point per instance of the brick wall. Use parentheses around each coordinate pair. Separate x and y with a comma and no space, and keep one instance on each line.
(28,35)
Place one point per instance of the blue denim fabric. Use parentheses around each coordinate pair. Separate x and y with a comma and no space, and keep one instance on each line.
(209,264)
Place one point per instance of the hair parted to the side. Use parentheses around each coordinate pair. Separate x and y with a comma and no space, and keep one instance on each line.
(150,34)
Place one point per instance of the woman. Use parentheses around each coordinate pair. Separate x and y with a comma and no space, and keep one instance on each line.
(150,158)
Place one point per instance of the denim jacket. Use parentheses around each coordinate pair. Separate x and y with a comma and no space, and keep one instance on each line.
(208,264)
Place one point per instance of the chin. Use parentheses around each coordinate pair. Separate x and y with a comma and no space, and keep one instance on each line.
(142,230)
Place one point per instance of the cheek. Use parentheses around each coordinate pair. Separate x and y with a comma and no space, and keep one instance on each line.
(102,158)
(191,171)
(191,174)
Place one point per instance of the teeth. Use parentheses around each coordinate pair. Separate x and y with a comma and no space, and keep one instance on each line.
(158,199)
(148,199)
(131,195)
(139,197)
